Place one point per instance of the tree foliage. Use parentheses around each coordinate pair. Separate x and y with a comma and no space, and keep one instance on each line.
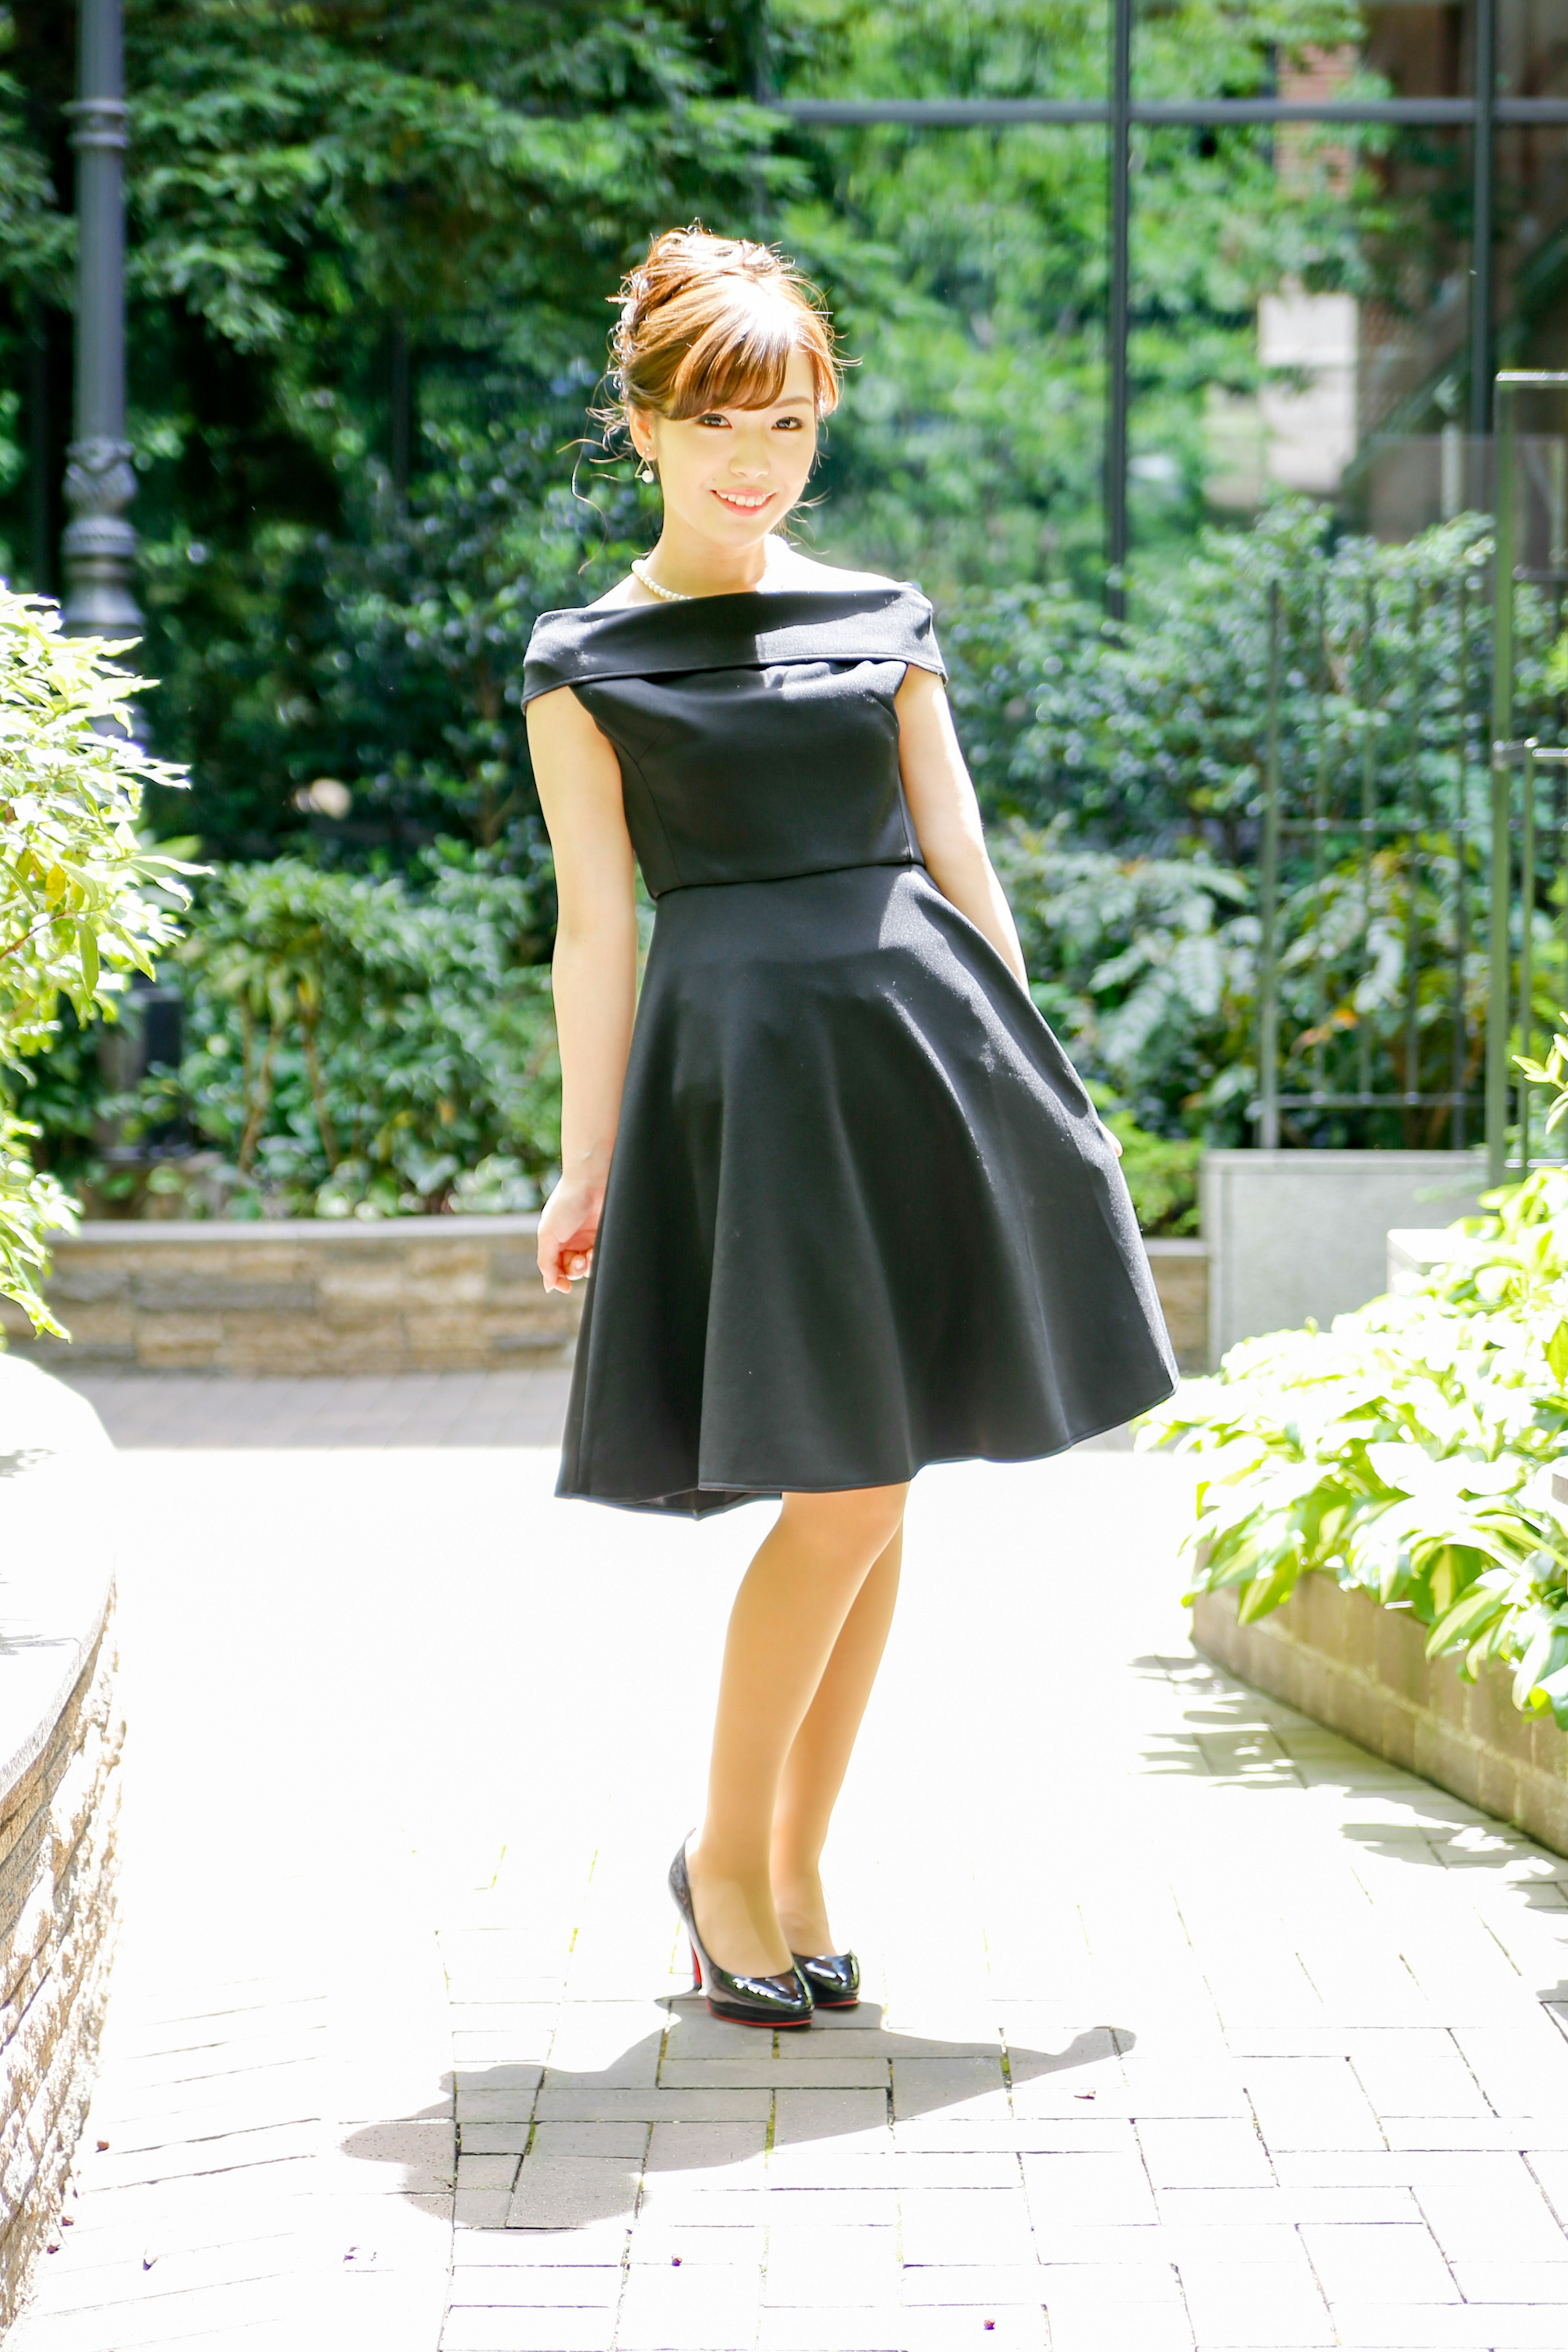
(370,243)
(969,268)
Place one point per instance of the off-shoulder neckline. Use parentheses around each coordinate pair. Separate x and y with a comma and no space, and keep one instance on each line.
(726,596)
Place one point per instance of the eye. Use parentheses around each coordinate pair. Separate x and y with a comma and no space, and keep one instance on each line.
(714,417)
(790,425)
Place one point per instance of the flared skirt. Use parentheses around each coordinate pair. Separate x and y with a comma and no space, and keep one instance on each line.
(861,1215)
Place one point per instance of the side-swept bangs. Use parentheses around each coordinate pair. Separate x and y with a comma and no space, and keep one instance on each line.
(732,349)
(710,322)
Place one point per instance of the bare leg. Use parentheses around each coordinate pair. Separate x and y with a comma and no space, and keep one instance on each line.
(788,1615)
(814,1768)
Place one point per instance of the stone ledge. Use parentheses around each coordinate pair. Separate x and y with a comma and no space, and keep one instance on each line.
(327,1295)
(307,1295)
(60,1739)
(1363,1670)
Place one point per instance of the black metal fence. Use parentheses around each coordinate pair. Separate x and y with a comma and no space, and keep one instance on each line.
(1413,870)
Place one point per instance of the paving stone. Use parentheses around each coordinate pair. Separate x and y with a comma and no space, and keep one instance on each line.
(556,2192)
(861,2161)
(491,2139)
(1310,2102)
(1505,2281)
(1202,2153)
(669,2244)
(1378,2263)
(626,2141)
(832,2263)
(1133,2327)
(1256,2307)
(810,2205)
(695,2105)
(709,2310)
(1414,2074)
(1495,2219)
(972,2285)
(1462,2328)
(1246,2209)
(468,2329)
(595,2246)
(965,2225)
(921,2083)
(852,2328)
(1094,2189)
(494,2286)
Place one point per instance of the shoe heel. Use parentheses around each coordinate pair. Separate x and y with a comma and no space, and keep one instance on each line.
(771,2000)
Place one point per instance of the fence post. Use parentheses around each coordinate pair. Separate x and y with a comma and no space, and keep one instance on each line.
(1502,793)
(1526,943)
(1267,907)
(1497,967)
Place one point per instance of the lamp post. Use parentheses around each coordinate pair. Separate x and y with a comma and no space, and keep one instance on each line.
(99,545)
(1118,306)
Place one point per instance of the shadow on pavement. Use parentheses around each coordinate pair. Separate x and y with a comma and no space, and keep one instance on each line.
(575,2148)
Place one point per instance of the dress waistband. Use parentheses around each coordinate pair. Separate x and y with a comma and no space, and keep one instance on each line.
(796,874)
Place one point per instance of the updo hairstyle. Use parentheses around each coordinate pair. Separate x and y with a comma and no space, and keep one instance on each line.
(709,322)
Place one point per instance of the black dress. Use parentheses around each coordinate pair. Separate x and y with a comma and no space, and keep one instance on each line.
(861,1213)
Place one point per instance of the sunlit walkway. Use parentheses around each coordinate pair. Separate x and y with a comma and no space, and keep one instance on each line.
(1188,2023)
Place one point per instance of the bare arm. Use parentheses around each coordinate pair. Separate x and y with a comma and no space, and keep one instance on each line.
(947,815)
(595,971)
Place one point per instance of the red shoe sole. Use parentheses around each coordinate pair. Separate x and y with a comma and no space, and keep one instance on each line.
(769,2024)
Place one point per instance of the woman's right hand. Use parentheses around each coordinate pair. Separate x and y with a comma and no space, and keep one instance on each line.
(567,1230)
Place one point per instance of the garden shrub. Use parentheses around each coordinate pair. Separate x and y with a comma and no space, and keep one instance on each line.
(370,1044)
(1405,1451)
(1145,968)
(83,902)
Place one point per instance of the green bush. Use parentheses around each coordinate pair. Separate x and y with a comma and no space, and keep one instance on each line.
(1405,1450)
(82,902)
(365,1044)
(1145,968)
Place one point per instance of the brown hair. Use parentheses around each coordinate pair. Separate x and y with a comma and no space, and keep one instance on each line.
(710,321)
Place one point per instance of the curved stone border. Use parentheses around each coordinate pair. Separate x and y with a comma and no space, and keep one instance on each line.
(1363,1670)
(60,1737)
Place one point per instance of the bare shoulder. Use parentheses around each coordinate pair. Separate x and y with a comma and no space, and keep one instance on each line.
(625,592)
(793,570)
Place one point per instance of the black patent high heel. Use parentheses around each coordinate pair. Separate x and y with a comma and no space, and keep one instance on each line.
(834,1978)
(776,2002)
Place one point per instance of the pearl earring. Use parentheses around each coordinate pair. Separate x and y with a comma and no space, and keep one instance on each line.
(645,472)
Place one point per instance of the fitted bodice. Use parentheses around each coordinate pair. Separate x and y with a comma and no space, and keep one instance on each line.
(756,734)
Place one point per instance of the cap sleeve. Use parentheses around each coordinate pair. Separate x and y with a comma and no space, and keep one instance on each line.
(924,652)
(553,657)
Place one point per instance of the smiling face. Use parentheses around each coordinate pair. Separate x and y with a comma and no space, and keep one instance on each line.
(730,475)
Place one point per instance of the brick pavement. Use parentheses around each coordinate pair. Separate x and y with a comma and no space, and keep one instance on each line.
(1189,2025)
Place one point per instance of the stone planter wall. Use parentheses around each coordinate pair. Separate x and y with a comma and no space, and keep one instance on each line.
(1362,1669)
(60,1737)
(1299,1235)
(404,1295)
(1181,1271)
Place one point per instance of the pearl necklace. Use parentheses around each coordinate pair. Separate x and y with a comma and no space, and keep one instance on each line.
(667,595)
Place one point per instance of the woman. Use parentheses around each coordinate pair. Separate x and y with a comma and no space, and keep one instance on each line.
(847,1207)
